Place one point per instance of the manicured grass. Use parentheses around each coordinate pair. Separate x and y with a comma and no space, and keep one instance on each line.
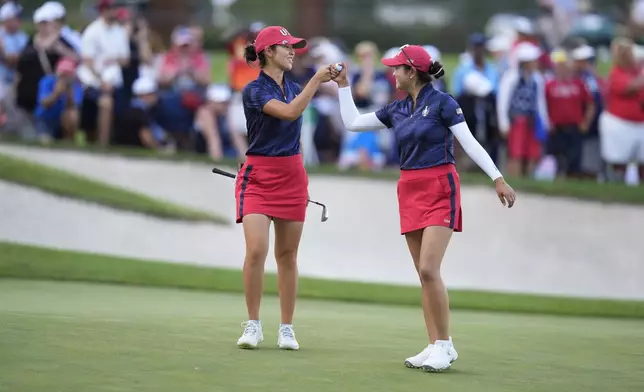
(28,262)
(60,182)
(585,190)
(82,337)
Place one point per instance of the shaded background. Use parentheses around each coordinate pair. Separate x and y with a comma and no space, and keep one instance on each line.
(445,24)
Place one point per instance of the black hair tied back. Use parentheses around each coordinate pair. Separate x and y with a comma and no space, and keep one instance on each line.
(250,54)
(436,70)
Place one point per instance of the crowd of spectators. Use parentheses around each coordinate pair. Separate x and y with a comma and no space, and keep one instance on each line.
(540,111)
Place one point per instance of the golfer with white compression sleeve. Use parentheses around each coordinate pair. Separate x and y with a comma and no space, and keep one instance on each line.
(429,195)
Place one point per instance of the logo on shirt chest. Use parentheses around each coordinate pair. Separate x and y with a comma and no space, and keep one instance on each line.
(425,111)
(565,90)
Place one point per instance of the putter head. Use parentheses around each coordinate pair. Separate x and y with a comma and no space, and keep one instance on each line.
(325,213)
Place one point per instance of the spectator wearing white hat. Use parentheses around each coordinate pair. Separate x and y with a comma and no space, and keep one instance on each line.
(522,112)
(59,14)
(137,125)
(527,33)
(39,58)
(208,120)
(219,99)
(105,48)
(585,68)
(621,125)
(330,128)
(13,42)
(498,47)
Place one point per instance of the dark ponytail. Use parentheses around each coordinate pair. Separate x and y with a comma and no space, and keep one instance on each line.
(436,70)
(251,55)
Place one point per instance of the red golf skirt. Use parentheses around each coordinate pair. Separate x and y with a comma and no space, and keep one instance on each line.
(522,140)
(429,197)
(273,186)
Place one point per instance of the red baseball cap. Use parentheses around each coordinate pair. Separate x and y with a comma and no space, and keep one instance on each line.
(123,14)
(277,35)
(105,4)
(413,55)
(66,65)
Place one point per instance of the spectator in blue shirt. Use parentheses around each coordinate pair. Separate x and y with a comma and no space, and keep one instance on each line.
(372,90)
(478,103)
(13,41)
(476,61)
(59,97)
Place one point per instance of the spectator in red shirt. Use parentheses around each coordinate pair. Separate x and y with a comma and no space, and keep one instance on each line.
(571,110)
(621,125)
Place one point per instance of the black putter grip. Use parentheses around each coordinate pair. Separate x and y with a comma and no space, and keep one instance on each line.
(223,173)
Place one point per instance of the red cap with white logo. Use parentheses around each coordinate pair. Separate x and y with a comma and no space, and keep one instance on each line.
(413,55)
(277,35)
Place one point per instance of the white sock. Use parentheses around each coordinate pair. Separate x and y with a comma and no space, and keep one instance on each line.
(286,325)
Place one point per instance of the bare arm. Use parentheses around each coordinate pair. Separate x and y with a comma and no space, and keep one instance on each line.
(634,86)
(48,99)
(239,141)
(147,138)
(293,110)
(89,63)
(51,99)
(202,77)
(11,60)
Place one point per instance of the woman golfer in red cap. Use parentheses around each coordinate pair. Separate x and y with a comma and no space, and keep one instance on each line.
(272,184)
(429,195)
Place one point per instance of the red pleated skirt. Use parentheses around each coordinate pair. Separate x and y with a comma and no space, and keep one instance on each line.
(273,186)
(429,197)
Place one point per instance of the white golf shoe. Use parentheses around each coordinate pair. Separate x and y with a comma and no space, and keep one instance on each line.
(252,335)
(440,357)
(417,360)
(286,338)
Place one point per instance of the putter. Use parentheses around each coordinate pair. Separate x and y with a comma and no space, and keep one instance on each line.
(325,211)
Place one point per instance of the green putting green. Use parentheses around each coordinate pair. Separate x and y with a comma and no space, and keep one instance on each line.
(81,337)
(38,263)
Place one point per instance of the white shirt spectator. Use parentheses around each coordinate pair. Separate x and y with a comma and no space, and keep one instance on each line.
(105,44)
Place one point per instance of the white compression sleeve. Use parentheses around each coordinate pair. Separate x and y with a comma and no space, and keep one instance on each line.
(474,150)
(351,117)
